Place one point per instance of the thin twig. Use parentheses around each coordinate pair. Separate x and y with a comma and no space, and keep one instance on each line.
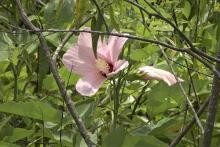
(192,83)
(138,99)
(189,125)
(60,83)
(197,71)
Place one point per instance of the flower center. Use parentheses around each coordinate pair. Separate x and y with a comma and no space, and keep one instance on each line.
(103,66)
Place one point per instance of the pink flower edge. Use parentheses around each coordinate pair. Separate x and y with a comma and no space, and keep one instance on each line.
(152,73)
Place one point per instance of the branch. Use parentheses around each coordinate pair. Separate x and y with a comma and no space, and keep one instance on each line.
(212,107)
(71,108)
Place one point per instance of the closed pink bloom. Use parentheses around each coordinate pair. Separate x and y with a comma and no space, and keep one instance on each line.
(151,73)
(80,59)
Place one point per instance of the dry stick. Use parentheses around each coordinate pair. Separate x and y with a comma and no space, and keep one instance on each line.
(189,125)
(60,83)
(158,15)
(212,107)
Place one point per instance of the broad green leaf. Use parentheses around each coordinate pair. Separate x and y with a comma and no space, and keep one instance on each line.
(143,141)
(167,127)
(112,17)
(162,97)
(70,78)
(60,17)
(7,144)
(115,138)
(187,9)
(17,134)
(80,10)
(43,68)
(32,109)
(144,53)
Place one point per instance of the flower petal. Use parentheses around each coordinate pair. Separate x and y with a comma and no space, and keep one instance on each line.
(79,60)
(159,74)
(90,84)
(103,51)
(115,45)
(119,65)
(85,39)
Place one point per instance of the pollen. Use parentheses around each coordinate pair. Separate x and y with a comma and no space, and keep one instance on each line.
(102,65)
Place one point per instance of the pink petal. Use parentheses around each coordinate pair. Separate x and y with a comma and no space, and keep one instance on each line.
(89,84)
(103,51)
(79,60)
(159,74)
(115,45)
(119,65)
(85,39)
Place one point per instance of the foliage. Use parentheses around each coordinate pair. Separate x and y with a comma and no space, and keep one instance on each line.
(32,109)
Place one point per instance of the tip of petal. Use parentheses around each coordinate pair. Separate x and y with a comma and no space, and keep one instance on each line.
(152,73)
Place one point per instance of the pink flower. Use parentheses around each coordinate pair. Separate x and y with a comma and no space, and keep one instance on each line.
(151,73)
(94,71)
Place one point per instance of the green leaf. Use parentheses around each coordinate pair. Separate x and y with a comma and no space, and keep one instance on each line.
(43,68)
(143,141)
(32,109)
(162,97)
(50,84)
(187,9)
(165,127)
(58,14)
(96,25)
(112,17)
(81,8)
(144,53)
(7,144)
(115,138)
(17,134)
